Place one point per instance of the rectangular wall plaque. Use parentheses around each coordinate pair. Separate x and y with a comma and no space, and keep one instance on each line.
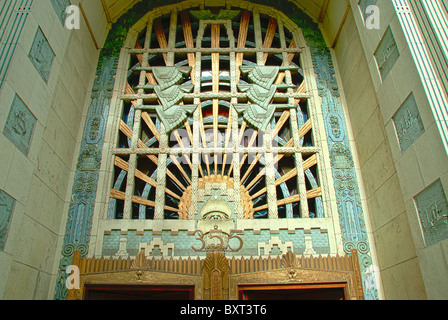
(387,53)
(408,123)
(60,6)
(433,213)
(19,127)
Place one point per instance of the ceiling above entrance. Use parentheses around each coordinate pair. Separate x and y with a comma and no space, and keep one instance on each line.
(316,9)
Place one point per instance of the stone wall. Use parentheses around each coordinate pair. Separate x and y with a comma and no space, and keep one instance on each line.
(400,152)
(43,104)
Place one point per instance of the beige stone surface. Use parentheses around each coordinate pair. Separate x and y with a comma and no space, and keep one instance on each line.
(22,281)
(431,155)
(371,137)
(404,282)
(43,204)
(378,168)
(390,193)
(395,234)
(41,182)
(389,177)
(5,265)
(19,175)
(433,261)
(6,154)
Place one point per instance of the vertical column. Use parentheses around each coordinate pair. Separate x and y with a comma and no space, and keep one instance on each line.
(301,185)
(197,155)
(298,160)
(203,155)
(195,65)
(436,97)
(130,182)
(234,74)
(172,38)
(133,158)
(145,57)
(215,33)
(258,38)
(159,210)
(236,162)
(271,191)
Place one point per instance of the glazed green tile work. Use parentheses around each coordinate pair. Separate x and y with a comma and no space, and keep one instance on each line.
(41,55)
(19,127)
(181,242)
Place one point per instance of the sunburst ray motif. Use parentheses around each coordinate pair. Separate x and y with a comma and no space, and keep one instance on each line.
(238,99)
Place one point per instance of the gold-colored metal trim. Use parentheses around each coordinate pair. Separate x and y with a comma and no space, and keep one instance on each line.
(219,278)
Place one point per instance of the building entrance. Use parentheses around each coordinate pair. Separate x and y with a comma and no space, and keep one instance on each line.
(219,278)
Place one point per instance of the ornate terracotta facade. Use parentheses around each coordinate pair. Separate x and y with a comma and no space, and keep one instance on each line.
(237,110)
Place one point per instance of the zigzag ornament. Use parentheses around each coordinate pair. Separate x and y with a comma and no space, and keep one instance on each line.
(260,93)
(170,91)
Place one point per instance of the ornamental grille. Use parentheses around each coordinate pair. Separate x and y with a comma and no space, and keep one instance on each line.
(215,107)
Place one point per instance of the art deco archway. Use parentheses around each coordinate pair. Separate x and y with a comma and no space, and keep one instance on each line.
(193,104)
(201,91)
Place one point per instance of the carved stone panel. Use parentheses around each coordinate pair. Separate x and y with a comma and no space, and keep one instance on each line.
(171,91)
(60,6)
(6,209)
(387,53)
(364,4)
(90,159)
(41,55)
(215,274)
(432,208)
(19,127)
(408,123)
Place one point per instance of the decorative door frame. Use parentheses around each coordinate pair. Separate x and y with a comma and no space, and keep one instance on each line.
(219,278)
